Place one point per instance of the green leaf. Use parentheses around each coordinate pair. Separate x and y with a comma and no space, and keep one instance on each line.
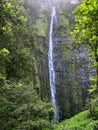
(4,52)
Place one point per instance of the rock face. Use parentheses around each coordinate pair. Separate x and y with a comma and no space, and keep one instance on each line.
(72,75)
(71,65)
(72,78)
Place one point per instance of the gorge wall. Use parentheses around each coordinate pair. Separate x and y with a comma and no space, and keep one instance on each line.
(71,64)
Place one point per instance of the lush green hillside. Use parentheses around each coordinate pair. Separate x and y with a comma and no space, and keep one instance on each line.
(81,121)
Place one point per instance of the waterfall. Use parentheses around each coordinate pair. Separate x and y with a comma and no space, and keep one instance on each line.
(51,66)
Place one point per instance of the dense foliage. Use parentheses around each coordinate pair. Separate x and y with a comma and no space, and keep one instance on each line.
(23,36)
(24,81)
(21,107)
(81,121)
(86,32)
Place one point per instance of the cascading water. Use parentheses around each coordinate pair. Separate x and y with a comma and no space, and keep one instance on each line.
(51,66)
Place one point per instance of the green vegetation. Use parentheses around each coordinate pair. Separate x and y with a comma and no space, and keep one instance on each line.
(24,78)
(81,121)
(21,107)
(22,41)
(86,32)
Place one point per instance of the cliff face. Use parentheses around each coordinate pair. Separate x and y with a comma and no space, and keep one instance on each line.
(72,77)
(70,61)
(71,64)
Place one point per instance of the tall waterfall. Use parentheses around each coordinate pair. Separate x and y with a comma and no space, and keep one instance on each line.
(51,65)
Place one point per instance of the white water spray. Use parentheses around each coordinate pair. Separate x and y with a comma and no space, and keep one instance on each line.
(51,66)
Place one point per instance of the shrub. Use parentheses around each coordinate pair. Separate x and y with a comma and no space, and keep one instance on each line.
(95,125)
(93,107)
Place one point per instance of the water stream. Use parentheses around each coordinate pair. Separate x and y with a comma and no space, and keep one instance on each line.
(51,65)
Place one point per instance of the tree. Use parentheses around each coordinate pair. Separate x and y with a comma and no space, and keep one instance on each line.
(21,106)
(86,31)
